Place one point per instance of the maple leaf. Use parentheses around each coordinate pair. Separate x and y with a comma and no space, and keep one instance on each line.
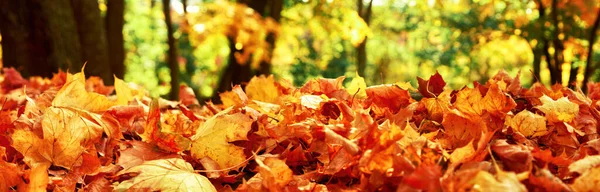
(588,180)
(585,164)
(263,89)
(37,177)
(460,128)
(462,154)
(139,152)
(235,97)
(529,124)
(74,94)
(560,110)
(164,138)
(127,92)
(172,174)
(66,132)
(470,101)
(275,172)
(213,137)
(387,98)
(431,87)
(503,181)
(437,106)
(357,87)
(10,176)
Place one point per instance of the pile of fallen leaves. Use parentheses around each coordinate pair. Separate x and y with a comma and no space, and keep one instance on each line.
(71,133)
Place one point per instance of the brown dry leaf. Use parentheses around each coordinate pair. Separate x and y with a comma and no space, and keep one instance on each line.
(529,124)
(560,110)
(172,174)
(73,94)
(213,137)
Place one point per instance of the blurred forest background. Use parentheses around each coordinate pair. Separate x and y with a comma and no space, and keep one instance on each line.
(210,45)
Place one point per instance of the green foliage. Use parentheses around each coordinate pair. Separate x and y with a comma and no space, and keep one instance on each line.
(145,35)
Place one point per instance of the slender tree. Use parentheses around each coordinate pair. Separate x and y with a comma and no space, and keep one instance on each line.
(590,66)
(172,53)
(361,52)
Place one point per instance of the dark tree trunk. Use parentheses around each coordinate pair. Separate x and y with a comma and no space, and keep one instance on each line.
(275,7)
(172,57)
(361,53)
(39,36)
(589,65)
(114,21)
(537,64)
(92,38)
(558,59)
(235,73)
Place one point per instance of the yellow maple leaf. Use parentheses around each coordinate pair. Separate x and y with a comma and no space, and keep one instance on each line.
(213,137)
(126,93)
(172,174)
(503,181)
(275,172)
(263,89)
(73,94)
(560,110)
(357,87)
(461,154)
(66,132)
(529,124)
(588,181)
(437,106)
(468,101)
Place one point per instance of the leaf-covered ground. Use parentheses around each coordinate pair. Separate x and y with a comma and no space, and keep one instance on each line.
(71,133)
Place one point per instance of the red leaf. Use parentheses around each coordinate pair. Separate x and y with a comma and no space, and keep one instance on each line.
(431,87)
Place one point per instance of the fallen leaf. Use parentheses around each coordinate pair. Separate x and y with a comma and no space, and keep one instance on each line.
(561,110)
(529,124)
(73,94)
(588,180)
(172,174)
(213,139)
(431,87)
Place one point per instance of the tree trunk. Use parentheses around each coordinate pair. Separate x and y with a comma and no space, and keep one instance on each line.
(114,20)
(589,68)
(361,53)
(274,12)
(172,57)
(235,73)
(558,57)
(93,39)
(537,64)
(39,36)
